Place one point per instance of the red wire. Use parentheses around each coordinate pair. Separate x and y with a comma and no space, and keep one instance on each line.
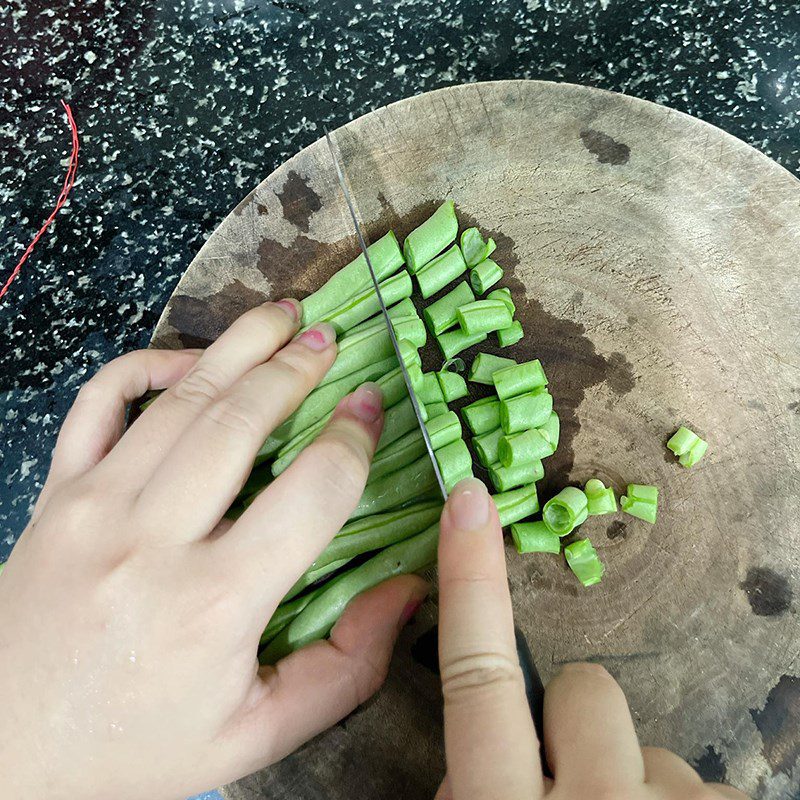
(69,180)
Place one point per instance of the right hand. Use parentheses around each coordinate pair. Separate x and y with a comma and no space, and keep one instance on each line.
(490,742)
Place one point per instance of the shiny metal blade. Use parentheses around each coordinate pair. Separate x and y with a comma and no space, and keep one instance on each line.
(362,243)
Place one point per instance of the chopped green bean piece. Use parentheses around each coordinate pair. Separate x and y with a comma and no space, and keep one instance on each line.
(600,500)
(483,415)
(517,504)
(441,314)
(430,238)
(503,294)
(413,330)
(453,386)
(398,454)
(412,482)
(505,478)
(429,390)
(484,365)
(564,512)
(534,537)
(584,562)
(483,316)
(510,335)
(409,353)
(551,430)
(436,274)
(519,379)
(486,446)
(517,448)
(484,276)
(454,462)
(416,376)
(386,259)
(525,411)
(688,446)
(641,501)
(444,429)
(474,248)
(436,410)
(452,343)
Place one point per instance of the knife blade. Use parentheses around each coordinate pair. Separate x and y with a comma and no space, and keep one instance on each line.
(340,175)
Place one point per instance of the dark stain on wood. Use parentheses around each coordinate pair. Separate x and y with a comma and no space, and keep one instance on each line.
(616,530)
(769,594)
(794,407)
(607,150)
(299,200)
(711,766)
(778,723)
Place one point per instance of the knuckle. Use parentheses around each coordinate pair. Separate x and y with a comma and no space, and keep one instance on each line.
(238,414)
(200,387)
(296,367)
(478,672)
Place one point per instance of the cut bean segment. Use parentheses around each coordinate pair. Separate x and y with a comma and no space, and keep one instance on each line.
(505,478)
(429,390)
(413,330)
(430,238)
(534,537)
(409,353)
(455,462)
(453,386)
(510,335)
(641,501)
(564,512)
(551,430)
(484,276)
(484,365)
(436,274)
(444,429)
(487,447)
(525,411)
(584,562)
(452,343)
(436,410)
(474,248)
(483,316)
(517,504)
(441,314)
(518,448)
(503,294)
(600,500)
(519,379)
(483,415)
(688,446)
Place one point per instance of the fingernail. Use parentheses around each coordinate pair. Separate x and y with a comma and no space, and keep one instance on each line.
(291,307)
(468,505)
(319,337)
(366,402)
(411,608)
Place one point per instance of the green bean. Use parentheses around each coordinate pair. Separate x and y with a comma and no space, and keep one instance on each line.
(430,238)
(484,276)
(524,411)
(379,530)
(319,616)
(417,378)
(483,415)
(404,311)
(413,330)
(517,504)
(409,353)
(429,389)
(551,430)
(483,316)
(441,314)
(519,379)
(360,350)
(505,478)
(564,512)
(365,304)
(599,499)
(386,259)
(319,403)
(453,386)
(454,462)
(436,410)
(518,448)
(289,452)
(452,343)
(286,612)
(534,537)
(484,365)
(486,446)
(392,491)
(503,294)
(444,429)
(474,248)
(436,274)
(311,576)
(398,421)
(398,454)
(510,335)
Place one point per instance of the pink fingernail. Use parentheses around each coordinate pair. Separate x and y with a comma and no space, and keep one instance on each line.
(468,505)
(366,402)
(319,337)
(291,307)
(411,608)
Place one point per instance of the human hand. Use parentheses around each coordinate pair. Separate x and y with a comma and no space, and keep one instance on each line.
(490,742)
(130,612)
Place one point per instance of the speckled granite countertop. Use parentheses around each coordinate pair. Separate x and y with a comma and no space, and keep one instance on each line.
(185,106)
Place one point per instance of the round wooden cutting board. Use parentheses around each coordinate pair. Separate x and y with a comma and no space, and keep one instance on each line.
(654,262)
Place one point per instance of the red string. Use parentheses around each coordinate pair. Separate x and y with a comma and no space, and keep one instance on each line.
(69,180)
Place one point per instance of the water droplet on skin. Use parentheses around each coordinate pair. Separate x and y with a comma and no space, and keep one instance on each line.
(132,657)
(115,730)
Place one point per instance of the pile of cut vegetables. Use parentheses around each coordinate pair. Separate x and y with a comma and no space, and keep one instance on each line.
(394,528)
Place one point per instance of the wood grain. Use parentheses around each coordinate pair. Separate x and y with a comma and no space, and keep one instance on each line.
(654,261)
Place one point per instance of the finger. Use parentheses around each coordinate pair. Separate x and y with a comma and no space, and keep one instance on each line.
(445,790)
(668,775)
(727,792)
(315,687)
(251,340)
(96,420)
(490,741)
(209,464)
(315,495)
(590,740)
